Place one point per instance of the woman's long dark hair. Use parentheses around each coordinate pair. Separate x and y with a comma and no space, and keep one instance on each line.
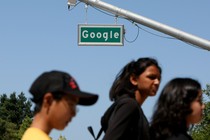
(173,106)
(122,84)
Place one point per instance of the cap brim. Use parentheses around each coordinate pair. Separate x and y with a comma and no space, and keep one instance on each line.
(85,98)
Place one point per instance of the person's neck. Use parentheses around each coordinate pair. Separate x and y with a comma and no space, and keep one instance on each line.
(40,123)
(140,97)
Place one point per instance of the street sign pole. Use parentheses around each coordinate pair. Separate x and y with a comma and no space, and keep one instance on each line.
(183,36)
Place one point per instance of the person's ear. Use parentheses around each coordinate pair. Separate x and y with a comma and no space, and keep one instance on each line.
(133,80)
(47,102)
(47,99)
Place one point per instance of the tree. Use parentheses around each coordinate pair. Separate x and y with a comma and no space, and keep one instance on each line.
(62,138)
(13,110)
(201,130)
(8,130)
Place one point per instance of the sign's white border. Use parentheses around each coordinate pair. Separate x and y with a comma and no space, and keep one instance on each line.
(121,43)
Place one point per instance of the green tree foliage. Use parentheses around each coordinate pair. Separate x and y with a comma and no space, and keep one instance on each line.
(62,138)
(15,108)
(202,130)
(13,111)
(8,130)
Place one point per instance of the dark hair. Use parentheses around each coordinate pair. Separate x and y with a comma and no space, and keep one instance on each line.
(122,84)
(173,106)
(38,103)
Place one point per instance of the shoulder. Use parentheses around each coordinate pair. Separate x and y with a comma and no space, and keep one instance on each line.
(35,134)
(128,101)
(128,104)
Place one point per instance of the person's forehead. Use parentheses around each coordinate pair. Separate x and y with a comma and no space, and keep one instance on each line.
(152,67)
(71,98)
(152,70)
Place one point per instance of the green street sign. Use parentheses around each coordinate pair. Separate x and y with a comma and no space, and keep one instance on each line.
(100,35)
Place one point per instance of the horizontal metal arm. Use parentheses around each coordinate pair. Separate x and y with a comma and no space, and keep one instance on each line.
(183,36)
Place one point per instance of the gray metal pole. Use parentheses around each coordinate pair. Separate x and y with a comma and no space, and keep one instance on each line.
(183,36)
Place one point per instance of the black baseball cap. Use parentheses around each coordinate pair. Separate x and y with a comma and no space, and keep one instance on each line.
(58,81)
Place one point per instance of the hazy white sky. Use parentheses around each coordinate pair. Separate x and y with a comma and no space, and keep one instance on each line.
(37,36)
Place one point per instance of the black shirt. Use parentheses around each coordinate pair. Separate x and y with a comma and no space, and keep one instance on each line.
(180,136)
(127,122)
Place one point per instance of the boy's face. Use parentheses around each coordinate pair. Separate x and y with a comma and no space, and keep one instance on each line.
(61,112)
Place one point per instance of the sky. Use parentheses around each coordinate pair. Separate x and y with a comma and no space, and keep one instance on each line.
(42,35)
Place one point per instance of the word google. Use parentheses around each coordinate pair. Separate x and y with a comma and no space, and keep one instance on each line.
(100,35)
(105,35)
